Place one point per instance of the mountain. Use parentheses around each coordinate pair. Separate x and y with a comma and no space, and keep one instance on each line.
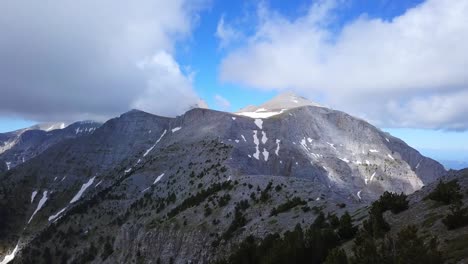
(21,145)
(275,106)
(188,189)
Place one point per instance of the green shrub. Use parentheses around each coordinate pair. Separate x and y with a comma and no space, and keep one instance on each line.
(287,206)
(346,230)
(336,256)
(396,203)
(446,192)
(458,217)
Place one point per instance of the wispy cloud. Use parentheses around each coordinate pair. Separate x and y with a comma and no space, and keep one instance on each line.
(410,71)
(222,103)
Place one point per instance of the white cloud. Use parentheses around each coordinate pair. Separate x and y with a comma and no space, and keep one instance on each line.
(70,60)
(222,103)
(226,33)
(410,71)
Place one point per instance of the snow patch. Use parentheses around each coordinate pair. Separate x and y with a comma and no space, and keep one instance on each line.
(372,177)
(264,137)
(390,156)
(10,256)
(309,139)
(359,195)
(265,154)
(344,159)
(259,114)
(157,141)
(367,162)
(277,147)
(331,145)
(373,150)
(97,184)
(387,140)
(52,217)
(33,195)
(8,164)
(256,142)
(39,205)
(82,190)
(128,170)
(259,123)
(176,129)
(237,141)
(417,166)
(158,178)
(243,138)
(233,118)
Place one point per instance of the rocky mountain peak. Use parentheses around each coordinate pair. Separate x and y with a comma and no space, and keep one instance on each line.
(277,105)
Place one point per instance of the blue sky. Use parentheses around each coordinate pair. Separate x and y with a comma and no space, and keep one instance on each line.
(375,59)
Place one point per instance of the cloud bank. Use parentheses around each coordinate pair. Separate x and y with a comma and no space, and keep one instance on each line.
(71,60)
(407,72)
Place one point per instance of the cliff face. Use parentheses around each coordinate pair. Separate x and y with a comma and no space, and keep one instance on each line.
(143,187)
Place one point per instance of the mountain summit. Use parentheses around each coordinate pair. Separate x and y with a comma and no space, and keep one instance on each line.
(277,105)
(187,189)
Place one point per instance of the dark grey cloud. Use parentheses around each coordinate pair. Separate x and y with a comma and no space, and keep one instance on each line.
(68,60)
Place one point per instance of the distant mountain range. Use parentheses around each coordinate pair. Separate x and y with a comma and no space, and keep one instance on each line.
(188,189)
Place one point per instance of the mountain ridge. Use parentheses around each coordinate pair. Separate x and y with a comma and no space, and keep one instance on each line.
(325,157)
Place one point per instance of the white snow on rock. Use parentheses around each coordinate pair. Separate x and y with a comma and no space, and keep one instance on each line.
(237,141)
(8,164)
(176,129)
(359,195)
(373,150)
(256,142)
(303,144)
(417,166)
(39,205)
(243,138)
(259,123)
(372,177)
(265,154)
(10,256)
(82,190)
(250,156)
(52,217)
(387,140)
(367,162)
(390,156)
(158,178)
(309,139)
(277,147)
(344,159)
(33,195)
(331,145)
(97,184)
(128,170)
(358,162)
(55,178)
(260,114)
(157,141)
(233,118)
(264,137)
